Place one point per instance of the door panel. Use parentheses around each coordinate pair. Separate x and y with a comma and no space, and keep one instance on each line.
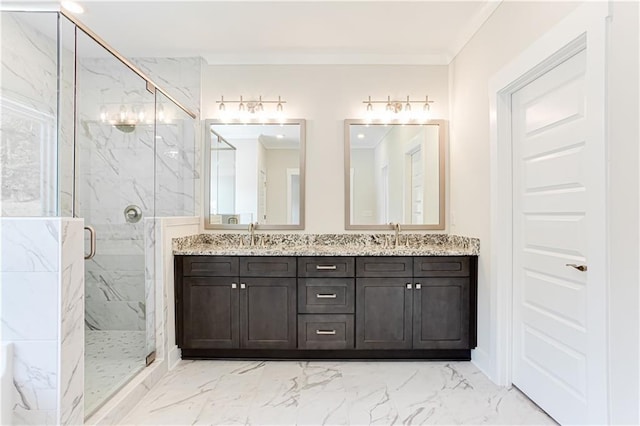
(553,359)
(441,314)
(268,313)
(210,313)
(383,313)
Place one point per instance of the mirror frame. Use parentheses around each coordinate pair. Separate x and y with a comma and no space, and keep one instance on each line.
(207,177)
(442,136)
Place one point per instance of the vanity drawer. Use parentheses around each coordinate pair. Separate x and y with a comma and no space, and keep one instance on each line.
(325,332)
(210,266)
(441,266)
(323,266)
(382,266)
(326,295)
(267,266)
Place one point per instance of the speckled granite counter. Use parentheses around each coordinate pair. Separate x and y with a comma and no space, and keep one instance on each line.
(269,244)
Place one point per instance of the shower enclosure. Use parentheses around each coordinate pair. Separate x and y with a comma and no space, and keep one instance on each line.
(87,135)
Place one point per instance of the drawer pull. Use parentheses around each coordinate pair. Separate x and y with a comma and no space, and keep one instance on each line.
(326,296)
(326,332)
(326,267)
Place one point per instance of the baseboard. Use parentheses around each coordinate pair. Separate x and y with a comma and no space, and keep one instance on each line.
(175,356)
(482,360)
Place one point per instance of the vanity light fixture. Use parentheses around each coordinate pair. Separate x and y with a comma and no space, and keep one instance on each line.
(250,109)
(396,110)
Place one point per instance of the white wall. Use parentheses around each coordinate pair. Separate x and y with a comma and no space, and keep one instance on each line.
(325,95)
(623,137)
(512,27)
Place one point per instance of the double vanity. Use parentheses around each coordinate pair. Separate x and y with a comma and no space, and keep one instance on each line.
(305,296)
(345,296)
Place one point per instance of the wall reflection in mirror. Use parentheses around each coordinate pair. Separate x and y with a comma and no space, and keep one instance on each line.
(394,173)
(256,175)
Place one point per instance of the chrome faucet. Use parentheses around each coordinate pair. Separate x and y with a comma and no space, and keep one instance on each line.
(396,227)
(252,229)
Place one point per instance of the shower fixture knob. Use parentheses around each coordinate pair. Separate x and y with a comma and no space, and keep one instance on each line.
(132,214)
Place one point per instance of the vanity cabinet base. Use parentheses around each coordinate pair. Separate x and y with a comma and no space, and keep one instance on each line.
(355,307)
(339,354)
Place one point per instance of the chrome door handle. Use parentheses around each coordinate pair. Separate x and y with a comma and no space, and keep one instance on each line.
(326,267)
(326,296)
(326,332)
(92,240)
(581,268)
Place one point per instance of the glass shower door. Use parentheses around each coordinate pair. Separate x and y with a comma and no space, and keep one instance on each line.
(114,192)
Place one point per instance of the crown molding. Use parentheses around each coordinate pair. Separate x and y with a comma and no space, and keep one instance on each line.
(474,25)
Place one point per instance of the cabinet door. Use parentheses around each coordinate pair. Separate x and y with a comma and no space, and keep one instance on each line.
(210,313)
(268,313)
(383,313)
(441,313)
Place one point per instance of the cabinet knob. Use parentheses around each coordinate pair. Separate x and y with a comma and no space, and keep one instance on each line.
(418,286)
(409,286)
(234,285)
(243,285)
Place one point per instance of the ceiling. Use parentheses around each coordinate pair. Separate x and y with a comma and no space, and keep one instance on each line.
(289,32)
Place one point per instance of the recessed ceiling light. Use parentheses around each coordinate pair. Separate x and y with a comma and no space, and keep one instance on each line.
(360,135)
(72,7)
(280,136)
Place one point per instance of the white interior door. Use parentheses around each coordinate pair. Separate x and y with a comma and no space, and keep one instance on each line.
(559,322)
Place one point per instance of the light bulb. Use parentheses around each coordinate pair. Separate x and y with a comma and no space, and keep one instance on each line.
(123,113)
(222,107)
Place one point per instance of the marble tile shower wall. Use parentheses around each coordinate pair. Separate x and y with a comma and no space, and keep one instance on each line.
(116,169)
(42,311)
(29,96)
(177,150)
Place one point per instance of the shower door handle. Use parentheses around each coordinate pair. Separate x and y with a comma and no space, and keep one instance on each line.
(92,239)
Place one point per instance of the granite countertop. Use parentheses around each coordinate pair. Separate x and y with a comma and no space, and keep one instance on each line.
(326,245)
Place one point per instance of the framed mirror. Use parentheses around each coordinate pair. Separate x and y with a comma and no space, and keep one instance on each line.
(395,173)
(255,173)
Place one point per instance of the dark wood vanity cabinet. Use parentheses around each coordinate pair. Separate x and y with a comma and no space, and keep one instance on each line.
(425,300)
(236,302)
(326,307)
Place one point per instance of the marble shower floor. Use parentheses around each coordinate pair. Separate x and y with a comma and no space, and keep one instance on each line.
(331,393)
(112,358)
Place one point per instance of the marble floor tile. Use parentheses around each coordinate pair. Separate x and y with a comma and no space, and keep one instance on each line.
(331,393)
